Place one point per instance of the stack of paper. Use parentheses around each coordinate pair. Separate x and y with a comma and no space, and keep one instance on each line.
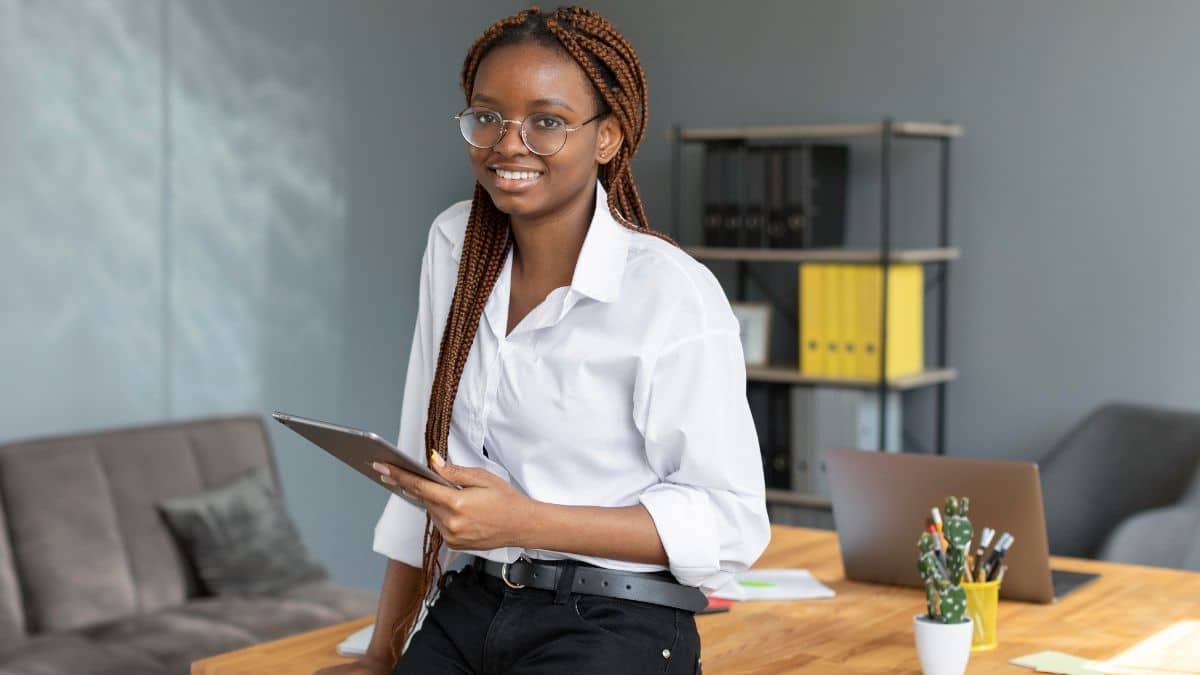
(356,643)
(774,584)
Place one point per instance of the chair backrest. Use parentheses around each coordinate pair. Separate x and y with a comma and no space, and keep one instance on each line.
(1121,459)
(87,543)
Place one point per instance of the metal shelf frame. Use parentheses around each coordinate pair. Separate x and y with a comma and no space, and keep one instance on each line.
(887,131)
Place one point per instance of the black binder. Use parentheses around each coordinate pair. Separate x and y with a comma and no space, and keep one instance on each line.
(714,184)
(776,223)
(731,229)
(815,203)
(772,422)
(753,189)
(828,168)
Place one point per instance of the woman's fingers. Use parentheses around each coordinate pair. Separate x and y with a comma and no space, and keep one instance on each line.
(419,487)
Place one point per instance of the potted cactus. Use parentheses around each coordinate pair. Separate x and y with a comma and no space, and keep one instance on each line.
(943,633)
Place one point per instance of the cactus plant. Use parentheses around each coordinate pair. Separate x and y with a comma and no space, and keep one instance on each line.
(945,598)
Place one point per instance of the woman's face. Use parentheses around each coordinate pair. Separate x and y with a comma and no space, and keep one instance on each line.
(517,81)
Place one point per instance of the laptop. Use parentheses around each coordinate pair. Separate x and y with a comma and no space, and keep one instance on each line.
(881,502)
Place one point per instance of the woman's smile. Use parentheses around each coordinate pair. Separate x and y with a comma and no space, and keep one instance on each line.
(514,178)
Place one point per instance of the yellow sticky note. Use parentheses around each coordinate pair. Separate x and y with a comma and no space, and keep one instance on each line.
(1055,662)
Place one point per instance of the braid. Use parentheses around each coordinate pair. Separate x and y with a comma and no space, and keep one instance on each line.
(612,66)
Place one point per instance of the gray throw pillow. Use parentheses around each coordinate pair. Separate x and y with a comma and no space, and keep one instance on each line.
(240,539)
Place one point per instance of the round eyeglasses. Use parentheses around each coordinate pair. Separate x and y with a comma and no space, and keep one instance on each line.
(543,133)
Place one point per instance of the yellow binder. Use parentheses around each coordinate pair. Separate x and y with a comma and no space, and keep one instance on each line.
(812,292)
(905,316)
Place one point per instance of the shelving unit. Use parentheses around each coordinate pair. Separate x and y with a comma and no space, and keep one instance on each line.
(936,375)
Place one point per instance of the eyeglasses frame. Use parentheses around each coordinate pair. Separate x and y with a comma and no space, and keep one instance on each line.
(504,129)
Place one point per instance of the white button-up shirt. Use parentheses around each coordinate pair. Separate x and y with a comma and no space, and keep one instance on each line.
(627,386)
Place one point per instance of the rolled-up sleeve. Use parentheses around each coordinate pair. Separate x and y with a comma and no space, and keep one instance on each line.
(709,508)
(400,531)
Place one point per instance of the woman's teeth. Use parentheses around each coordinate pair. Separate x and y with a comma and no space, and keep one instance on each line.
(517,175)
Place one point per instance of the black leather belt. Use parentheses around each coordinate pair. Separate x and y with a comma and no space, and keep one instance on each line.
(643,587)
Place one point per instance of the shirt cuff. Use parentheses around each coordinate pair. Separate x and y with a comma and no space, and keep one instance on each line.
(400,532)
(687,526)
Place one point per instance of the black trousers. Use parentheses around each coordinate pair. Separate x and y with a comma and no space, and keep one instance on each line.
(478,625)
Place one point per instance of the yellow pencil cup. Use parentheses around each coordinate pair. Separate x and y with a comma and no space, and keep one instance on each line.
(982,599)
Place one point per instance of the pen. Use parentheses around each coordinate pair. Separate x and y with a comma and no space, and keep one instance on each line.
(937,521)
(998,554)
(1000,576)
(938,549)
(985,540)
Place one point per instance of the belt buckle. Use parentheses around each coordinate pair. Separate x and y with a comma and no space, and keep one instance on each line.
(504,573)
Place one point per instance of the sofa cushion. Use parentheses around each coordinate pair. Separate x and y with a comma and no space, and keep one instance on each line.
(87,542)
(240,538)
(12,609)
(68,654)
(167,641)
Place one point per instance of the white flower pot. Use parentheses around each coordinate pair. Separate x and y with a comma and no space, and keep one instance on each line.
(943,648)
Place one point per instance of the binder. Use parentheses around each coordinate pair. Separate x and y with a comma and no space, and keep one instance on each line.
(776,225)
(773,430)
(753,193)
(839,320)
(906,319)
(731,195)
(812,297)
(796,196)
(827,169)
(714,184)
(860,331)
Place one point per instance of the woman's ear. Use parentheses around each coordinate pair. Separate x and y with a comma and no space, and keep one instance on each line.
(608,140)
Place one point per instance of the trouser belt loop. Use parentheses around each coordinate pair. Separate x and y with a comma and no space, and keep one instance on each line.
(566,582)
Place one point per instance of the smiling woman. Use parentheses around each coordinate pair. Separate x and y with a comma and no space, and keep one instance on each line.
(579,376)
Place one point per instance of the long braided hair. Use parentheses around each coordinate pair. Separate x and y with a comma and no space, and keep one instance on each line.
(612,66)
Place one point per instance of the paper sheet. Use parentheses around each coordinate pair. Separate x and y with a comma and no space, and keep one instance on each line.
(774,584)
(1175,650)
(356,643)
(1055,662)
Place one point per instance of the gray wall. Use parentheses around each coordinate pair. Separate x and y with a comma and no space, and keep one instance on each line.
(1071,200)
(210,207)
(216,207)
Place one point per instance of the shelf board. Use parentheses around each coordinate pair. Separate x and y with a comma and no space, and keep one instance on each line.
(777,496)
(792,375)
(843,255)
(910,129)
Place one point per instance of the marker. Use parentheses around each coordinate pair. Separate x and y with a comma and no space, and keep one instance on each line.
(757,584)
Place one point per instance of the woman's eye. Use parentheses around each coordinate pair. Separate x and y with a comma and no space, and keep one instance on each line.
(485,118)
(549,123)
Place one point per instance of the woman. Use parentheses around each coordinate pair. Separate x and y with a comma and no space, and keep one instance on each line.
(587,392)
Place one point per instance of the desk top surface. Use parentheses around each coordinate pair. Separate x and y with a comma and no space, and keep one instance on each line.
(867,628)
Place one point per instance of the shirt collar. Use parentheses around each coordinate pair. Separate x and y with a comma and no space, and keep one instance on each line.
(601,263)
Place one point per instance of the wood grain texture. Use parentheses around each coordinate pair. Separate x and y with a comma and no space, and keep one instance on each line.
(866,629)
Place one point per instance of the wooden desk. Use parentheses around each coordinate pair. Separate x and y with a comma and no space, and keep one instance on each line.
(865,629)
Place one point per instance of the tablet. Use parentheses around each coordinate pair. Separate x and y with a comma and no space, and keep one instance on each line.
(358,449)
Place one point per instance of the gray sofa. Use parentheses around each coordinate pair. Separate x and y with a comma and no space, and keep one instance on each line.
(91,580)
(1124,485)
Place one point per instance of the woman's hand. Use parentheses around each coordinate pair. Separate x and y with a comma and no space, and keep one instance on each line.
(486,513)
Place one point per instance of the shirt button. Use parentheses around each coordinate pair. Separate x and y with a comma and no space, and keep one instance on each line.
(666,653)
